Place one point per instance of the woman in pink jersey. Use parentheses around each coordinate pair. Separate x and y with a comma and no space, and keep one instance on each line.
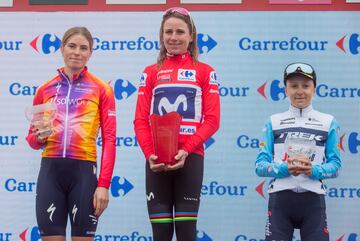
(177,82)
(67,185)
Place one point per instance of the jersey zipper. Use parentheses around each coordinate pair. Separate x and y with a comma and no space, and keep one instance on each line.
(66,116)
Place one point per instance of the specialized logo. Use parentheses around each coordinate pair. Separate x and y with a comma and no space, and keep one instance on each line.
(74,211)
(260,189)
(123,89)
(46,44)
(116,186)
(350,237)
(51,211)
(209,142)
(205,43)
(351,44)
(187,74)
(33,236)
(353,142)
(181,99)
(202,236)
(275,92)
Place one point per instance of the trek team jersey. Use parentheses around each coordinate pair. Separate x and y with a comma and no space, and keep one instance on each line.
(180,85)
(83,105)
(305,123)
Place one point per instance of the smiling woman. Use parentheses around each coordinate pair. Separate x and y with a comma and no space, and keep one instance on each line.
(177,82)
(84,104)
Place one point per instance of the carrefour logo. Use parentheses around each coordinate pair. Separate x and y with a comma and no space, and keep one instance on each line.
(205,43)
(32,235)
(245,141)
(10,45)
(234,91)
(215,188)
(46,44)
(275,91)
(351,43)
(14,185)
(352,140)
(5,236)
(6,140)
(209,142)
(292,44)
(123,89)
(350,237)
(244,237)
(120,184)
(202,236)
(122,141)
(260,189)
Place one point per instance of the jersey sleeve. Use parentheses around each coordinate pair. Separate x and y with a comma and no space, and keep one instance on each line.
(332,165)
(211,111)
(142,113)
(264,164)
(31,138)
(108,135)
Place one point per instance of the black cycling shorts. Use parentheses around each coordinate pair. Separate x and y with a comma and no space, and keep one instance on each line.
(289,210)
(65,188)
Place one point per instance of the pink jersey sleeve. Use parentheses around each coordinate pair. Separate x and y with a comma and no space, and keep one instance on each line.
(31,138)
(108,135)
(211,111)
(142,112)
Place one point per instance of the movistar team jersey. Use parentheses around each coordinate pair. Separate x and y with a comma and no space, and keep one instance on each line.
(308,124)
(83,105)
(180,85)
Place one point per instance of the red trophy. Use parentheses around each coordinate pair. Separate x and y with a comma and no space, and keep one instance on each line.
(165,132)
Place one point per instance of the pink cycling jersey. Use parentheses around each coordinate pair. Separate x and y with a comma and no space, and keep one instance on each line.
(84,104)
(187,87)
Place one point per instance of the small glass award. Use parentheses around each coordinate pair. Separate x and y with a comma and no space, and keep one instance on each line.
(296,146)
(165,132)
(41,118)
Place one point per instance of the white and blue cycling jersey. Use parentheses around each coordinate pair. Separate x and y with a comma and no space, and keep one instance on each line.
(305,123)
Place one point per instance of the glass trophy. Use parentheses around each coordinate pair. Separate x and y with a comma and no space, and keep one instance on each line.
(165,132)
(41,118)
(296,146)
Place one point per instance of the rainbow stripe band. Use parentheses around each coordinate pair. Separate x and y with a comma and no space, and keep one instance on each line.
(161,218)
(185,216)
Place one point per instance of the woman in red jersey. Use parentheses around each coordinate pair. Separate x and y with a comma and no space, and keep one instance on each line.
(67,184)
(177,82)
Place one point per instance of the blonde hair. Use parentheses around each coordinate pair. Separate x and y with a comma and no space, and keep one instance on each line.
(192,48)
(78,30)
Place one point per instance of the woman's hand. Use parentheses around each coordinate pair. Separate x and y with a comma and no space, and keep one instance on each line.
(100,200)
(155,167)
(180,157)
(299,165)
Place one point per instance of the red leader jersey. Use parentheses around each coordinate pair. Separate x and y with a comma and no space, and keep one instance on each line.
(187,87)
(84,104)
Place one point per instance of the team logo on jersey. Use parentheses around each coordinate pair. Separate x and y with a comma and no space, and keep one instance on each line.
(182,99)
(143,79)
(187,74)
(213,78)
